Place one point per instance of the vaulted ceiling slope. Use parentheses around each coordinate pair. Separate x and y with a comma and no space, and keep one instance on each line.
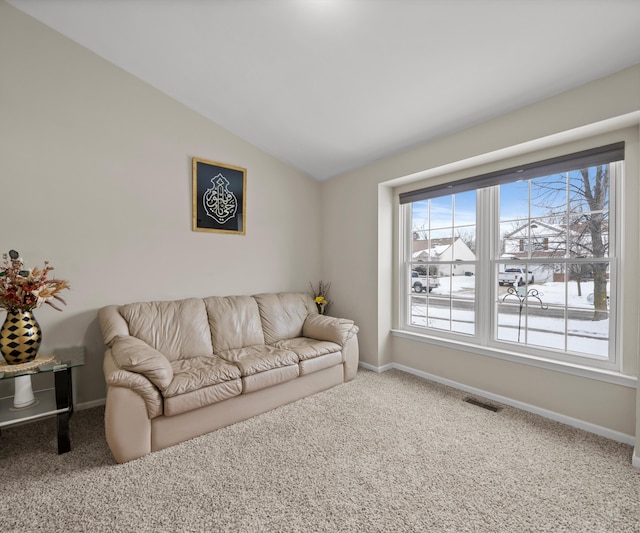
(328,86)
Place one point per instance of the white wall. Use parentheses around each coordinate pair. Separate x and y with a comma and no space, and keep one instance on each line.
(95,168)
(361,210)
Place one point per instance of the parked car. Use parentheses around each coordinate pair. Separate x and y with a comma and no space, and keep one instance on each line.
(515,276)
(422,282)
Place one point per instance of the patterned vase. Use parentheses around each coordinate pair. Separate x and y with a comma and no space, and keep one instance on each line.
(20,337)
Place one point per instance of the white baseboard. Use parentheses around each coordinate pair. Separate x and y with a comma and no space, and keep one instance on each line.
(88,405)
(552,415)
(635,460)
(376,369)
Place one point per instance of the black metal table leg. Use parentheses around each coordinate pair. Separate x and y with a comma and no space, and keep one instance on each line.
(64,400)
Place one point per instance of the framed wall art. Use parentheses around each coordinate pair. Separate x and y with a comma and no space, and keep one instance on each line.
(219,197)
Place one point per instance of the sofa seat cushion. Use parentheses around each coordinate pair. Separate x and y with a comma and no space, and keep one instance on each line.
(320,363)
(307,348)
(269,378)
(195,399)
(260,358)
(198,372)
(200,381)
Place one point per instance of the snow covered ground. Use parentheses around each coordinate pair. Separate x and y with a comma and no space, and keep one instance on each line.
(543,328)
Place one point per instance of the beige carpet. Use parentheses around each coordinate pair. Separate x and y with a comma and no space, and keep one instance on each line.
(387,452)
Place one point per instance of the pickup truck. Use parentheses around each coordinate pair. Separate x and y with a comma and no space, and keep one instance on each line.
(422,283)
(515,276)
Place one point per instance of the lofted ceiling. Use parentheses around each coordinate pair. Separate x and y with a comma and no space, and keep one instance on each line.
(328,86)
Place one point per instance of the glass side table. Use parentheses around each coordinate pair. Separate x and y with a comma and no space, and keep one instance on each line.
(57,401)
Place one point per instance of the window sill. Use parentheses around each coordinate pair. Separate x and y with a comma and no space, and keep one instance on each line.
(582,371)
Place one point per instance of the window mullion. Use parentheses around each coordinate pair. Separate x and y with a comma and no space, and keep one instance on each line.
(404,264)
(615,257)
(486,244)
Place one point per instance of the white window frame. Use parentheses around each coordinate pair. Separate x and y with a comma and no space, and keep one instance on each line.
(487,243)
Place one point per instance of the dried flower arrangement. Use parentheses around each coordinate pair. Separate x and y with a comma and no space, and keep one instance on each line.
(26,289)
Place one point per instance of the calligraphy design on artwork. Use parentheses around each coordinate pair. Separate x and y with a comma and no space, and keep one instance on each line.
(219,197)
(219,202)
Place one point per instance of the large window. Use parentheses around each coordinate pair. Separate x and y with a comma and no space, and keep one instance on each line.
(522,260)
(443,263)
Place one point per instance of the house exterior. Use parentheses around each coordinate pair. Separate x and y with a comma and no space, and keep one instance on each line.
(445,251)
(540,239)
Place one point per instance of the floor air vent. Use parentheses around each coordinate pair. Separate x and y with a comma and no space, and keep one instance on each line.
(486,406)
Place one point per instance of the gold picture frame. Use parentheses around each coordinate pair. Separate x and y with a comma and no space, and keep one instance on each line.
(219,197)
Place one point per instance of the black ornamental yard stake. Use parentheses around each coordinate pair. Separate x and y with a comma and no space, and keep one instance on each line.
(522,297)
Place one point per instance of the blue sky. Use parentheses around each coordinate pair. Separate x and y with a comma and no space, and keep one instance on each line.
(547,196)
(442,211)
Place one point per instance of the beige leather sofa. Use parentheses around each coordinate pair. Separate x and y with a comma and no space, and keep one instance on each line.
(179,369)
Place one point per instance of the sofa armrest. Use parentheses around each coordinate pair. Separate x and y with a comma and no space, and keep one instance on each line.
(328,328)
(118,377)
(112,323)
(130,353)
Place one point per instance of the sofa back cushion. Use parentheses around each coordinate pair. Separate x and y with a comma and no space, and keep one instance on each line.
(234,322)
(283,314)
(177,329)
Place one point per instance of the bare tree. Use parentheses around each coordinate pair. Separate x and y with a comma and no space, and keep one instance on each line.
(587,209)
(597,196)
